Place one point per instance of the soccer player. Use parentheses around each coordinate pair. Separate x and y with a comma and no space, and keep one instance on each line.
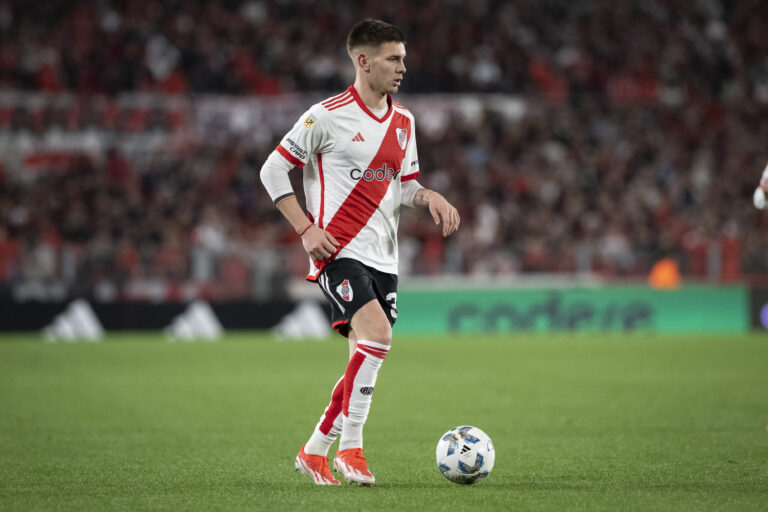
(357,151)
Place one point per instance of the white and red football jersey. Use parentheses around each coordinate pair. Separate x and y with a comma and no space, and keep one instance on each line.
(354,163)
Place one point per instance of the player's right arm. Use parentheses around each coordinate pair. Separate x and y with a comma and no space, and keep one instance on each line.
(318,243)
(758,198)
(304,139)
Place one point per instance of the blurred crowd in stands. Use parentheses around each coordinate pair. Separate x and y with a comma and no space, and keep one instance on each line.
(643,135)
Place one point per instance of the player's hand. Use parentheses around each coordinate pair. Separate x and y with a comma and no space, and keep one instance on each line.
(319,243)
(441,209)
(758,198)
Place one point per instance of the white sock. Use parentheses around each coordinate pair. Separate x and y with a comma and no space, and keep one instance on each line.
(359,381)
(329,427)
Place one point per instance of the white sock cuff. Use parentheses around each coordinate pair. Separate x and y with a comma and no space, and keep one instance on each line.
(373,344)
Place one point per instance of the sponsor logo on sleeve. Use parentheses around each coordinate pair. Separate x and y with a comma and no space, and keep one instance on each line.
(297,150)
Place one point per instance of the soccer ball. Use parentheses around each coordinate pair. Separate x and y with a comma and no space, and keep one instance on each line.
(465,454)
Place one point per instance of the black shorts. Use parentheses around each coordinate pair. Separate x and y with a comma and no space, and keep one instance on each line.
(349,285)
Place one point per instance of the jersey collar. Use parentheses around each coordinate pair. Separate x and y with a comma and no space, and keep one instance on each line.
(365,109)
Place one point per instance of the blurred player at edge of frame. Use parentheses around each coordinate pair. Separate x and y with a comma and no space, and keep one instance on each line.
(758,198)
(357,152)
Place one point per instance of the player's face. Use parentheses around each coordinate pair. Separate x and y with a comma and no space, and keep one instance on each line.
(388,68)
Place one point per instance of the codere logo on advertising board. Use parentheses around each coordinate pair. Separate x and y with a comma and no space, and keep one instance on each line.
(692,308)
(382,174)
(552,313)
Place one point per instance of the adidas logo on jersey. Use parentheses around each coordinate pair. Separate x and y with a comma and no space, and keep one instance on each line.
(358,138)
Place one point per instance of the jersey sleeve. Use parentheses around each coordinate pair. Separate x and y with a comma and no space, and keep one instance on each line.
(311,134)
(410,169)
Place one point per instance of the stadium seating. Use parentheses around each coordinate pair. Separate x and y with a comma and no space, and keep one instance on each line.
(573,136)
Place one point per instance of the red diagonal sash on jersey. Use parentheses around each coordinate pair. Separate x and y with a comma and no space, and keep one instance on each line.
(366,196)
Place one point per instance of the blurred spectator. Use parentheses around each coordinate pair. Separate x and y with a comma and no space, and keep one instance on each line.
(8,255)
(627,50)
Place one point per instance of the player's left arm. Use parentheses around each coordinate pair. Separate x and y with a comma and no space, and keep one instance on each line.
(413,194)
(439,207)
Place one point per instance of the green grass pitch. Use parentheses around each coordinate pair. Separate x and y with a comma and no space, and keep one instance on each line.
(580,422)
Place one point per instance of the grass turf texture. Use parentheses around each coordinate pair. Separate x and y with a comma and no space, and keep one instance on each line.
(608,422)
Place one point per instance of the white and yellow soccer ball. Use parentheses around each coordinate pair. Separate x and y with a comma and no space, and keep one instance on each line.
(465,454)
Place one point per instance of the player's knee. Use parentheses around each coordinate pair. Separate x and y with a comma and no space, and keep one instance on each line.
(381,333)
(371,323)
(386,334)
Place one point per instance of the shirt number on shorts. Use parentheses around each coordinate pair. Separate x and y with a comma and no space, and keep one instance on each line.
(391,299)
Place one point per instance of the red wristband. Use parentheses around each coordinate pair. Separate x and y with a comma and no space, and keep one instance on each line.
(305,230)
